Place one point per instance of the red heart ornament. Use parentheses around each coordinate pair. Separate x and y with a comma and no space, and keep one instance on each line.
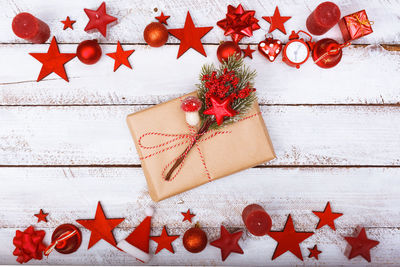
(270,48)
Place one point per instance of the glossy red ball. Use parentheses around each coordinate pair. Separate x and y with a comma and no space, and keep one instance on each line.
(227,49)
(89,52)
(155,34)
(194,240)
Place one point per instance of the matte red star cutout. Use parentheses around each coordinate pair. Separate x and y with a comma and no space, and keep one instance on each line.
(100,227)
(277,21)
(99,19)
(248,52)
(164,241)
(228,243)
(289,240)
(121,56)
(68,23)
(220,109)
(187,216)
(162,18)
(41,216)
(53,61)
(314,252)
(361,245)
(190,36)
(327,217)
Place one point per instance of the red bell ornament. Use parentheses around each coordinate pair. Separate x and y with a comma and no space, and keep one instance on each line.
(297,50)
(89,52)
(327,53)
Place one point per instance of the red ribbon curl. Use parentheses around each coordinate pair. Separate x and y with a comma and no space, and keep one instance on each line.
(29,244)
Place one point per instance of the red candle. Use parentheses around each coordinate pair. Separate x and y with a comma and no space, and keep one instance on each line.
(323,18)
(257,220)
(30,28)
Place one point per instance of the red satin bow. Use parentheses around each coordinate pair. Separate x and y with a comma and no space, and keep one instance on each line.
(29,244)
(239,23)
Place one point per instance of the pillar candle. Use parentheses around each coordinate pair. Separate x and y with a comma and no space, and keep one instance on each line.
(257,220)
(323,18)
(30,28)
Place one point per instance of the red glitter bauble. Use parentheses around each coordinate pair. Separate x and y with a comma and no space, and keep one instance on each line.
(155,34)
(227,49)
(89,52)
(194,240)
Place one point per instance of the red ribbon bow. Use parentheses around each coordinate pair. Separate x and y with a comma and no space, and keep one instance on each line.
(29,244)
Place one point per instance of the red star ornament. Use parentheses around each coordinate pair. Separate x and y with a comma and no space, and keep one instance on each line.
(53,61)
(327,217)
(68,23)
(162,18)
(100,227)
(41,216)
(190,36)
(164,241)
(220,109)
(187,216)
(289,240)
(361,245)
(277,21)
(228,243)
(248,52)
(314,252)
(121,57)
(99,19)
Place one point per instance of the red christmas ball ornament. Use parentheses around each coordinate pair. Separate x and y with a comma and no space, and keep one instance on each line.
(327,53)
(66,239)
(155,34)
(195,240)
(227,49)
(89,52)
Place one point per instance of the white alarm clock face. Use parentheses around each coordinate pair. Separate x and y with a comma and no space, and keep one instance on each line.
(296,52)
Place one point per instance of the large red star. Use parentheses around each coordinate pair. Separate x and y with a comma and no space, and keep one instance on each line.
(121,57)
(361,245)
(187,216)
(248,52)
(100,227)
(99,19)
(162,18)
(41,216)
(164,241)
(277,21)
(327,217)
(289,240)
(228,243)
(190,36)
(68,23)
(53,61)
(220,109)
(314,252)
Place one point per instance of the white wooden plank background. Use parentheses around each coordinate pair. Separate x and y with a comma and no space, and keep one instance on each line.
(336,134)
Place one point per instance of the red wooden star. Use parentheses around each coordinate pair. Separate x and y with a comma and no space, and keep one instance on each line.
(248,52)
(53,61)
(162,18)
(190,36)
(289,240)
(100,227)
(121,57)
(361,245)
(99,19)
(187,216)
(164,241)
(277,21)
(68,23)
(314,252)
(220,109)
(327,217)
(228,243)
(41,216)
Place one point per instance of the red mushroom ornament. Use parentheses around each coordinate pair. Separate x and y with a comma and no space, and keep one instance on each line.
(191,106)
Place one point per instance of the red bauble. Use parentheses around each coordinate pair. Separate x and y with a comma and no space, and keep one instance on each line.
(270,48)
(155,34)
(89,52)
(71,244)
(227,49)
(195,240)
(327,53)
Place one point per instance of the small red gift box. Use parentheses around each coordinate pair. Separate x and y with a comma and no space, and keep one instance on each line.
(355,25)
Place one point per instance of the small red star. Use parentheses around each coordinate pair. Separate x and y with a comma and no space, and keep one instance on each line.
(53,61)
(314,252)
(220,109)
(162,18)
(327,217)
(187,216)
(248,52)
(228,243)
(121,56)
(361,245)
(68,23)
(190,36)
(99,19)
(164,241)
(41,216)
(277,21)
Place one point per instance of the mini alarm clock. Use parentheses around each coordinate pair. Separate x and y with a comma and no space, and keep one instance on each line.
(297,51)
